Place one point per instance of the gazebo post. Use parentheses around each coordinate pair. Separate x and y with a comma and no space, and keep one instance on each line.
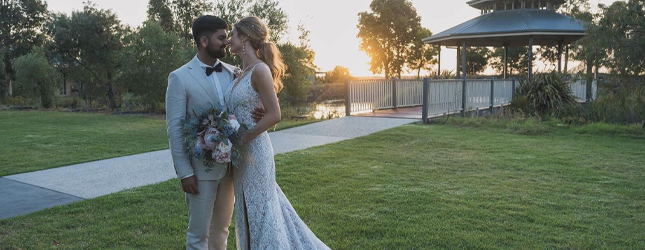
(458,61)
(566,59)
(439,62)
(463,85)
(560,57)
(530,58)
(505,60)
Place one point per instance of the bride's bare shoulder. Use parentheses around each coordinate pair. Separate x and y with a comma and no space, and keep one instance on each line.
(262,72)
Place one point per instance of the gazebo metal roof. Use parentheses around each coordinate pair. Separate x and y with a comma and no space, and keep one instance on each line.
(512,27)
(479,3)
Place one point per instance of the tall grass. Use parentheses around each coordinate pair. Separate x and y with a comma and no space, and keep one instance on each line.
(617,106)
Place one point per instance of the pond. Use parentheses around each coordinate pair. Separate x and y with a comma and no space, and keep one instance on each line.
(329,109)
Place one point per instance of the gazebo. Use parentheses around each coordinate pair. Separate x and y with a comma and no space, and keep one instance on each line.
(505,23)
(502,23)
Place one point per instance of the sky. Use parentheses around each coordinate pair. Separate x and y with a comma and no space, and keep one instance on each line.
(332,24)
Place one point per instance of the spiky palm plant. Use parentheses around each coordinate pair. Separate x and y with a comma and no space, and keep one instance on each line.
(546,93)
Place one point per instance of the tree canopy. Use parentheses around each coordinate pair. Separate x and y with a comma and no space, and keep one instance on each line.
(20,21)
(388,34)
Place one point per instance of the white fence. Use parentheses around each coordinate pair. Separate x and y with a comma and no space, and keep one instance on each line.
(503,93)
(369,95)
(579,89)
(409,93)
(443,96)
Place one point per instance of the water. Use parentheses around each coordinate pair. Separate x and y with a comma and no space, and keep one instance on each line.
(329,109)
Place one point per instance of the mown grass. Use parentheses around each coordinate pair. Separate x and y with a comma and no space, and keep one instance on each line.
(539,126)
(413,187)
(37,140)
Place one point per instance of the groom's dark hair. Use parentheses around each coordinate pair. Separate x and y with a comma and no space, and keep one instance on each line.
(206,26)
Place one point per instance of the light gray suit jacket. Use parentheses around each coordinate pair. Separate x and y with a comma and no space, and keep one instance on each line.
(188,90)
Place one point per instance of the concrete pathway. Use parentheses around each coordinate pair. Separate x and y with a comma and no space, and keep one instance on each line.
(29,192)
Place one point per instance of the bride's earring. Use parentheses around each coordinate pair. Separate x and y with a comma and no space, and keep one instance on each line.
(243,49)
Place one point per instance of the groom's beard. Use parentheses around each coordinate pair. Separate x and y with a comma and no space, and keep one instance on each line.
(219,52)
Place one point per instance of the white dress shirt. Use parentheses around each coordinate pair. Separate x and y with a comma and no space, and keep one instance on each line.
(219,80)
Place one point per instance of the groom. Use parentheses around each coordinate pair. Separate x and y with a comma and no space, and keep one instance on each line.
(198,85)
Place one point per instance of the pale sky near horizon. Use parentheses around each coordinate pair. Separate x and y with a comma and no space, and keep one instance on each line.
(332,25)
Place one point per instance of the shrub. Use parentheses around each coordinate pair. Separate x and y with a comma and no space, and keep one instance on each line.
(507,120)
(624,104)
(70,102)
(546,94)
(36,78)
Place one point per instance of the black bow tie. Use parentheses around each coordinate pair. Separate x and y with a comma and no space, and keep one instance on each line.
(216,68)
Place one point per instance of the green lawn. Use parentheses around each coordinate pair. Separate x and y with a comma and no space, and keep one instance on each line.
(37,140)
(413,187)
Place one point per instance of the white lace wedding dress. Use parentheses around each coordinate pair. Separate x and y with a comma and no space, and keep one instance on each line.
(264,218)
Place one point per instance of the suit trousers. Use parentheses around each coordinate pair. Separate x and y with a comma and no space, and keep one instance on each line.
(209,214)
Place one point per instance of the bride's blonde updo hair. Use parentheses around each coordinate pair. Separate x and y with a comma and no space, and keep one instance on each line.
(254,29)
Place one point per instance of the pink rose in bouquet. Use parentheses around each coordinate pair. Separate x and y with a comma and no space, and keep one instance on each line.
(210,138)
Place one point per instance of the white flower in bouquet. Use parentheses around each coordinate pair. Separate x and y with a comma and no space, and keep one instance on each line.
(232,120)
(224,148)
(221,157)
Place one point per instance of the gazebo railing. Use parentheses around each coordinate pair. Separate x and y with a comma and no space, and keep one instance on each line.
(478,94)
(503,91)
(443,96)
(579,89)
(446,96)
(438,97)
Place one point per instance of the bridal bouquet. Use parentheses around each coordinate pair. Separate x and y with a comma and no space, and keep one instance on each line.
(209,136)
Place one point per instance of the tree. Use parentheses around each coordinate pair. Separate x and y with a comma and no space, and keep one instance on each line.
(275,18)
(517,60)
(2,72)
(549,54)
(578,9)
(20,21)
(231,10)
(300,73)
(587,50)
(297,78)
(387,34)
(35,77)
(186,11)
(476,59)
(91,39)
(339,74)
(149,55)
(160,11)
(620,35)
(422,57)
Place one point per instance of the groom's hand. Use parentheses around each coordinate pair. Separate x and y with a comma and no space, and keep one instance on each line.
(190,185)
(257,114)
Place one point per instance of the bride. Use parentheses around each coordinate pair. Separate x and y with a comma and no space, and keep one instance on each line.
(264,218)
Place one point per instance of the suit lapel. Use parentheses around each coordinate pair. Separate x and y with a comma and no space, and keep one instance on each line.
(197,72)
